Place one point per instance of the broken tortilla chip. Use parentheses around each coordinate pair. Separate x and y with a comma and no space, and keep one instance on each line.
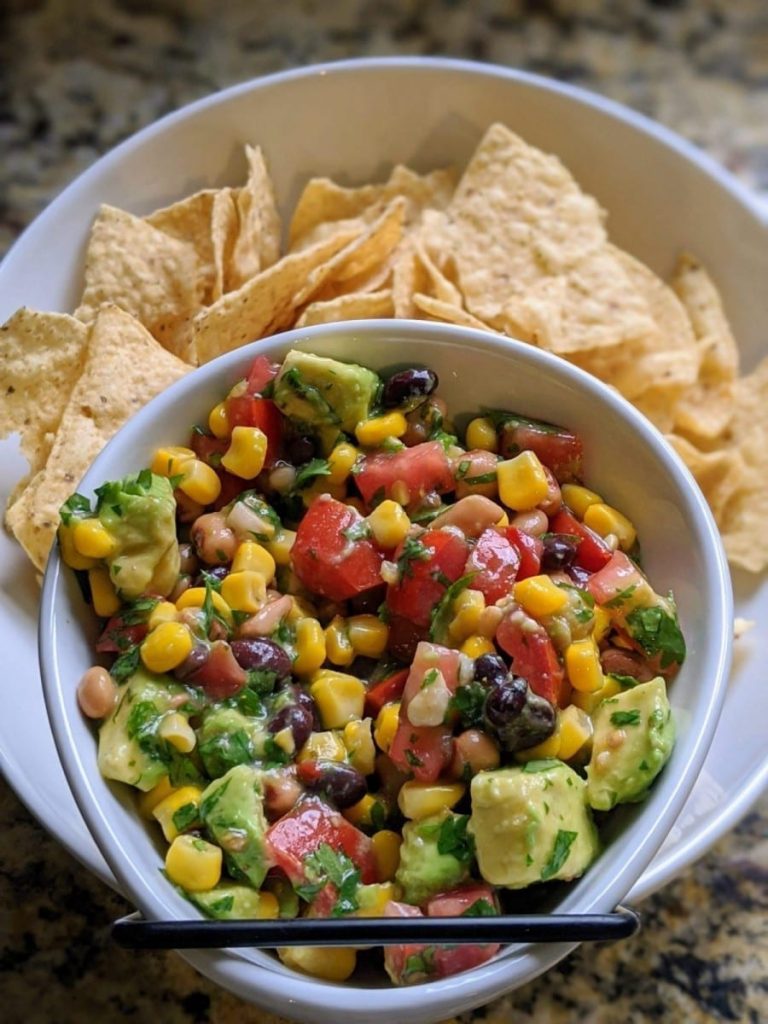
(189,221)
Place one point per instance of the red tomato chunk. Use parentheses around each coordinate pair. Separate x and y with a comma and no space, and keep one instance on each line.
(427,567)
(422,469)
(593,553)
(495,563)
(557,448)
(533,656)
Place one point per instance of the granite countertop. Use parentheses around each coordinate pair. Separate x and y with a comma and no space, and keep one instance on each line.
(79,75)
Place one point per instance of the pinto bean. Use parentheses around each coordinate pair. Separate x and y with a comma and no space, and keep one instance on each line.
(471,515)
(619,662)
(97,693)
(553,502)
(267,619)
(534,522)
(214,542)
(473,751)
(477,466)
(281,791)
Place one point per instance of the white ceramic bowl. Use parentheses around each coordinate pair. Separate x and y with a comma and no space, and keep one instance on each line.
(625,459)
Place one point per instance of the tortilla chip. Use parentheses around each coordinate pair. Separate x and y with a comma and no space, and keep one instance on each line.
(375,280)
(262,306)
(147,273)
(440,286)
(719,474)
(124,368)
(358,306)
(445,312)
(189,220)
(408,278)
(257,245)
(224,228)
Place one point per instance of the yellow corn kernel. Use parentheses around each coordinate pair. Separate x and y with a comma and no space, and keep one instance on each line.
(549,747)
(246,453)
(386,725)
(331,963)
(385,846)
(177,731)
(92,539)
(578,498)
(605,519)
(481,433)
(148,801)
(389,524)
(340,698)
(166,646)
(374,431)
(320,486)
(244,591)
(103,594)
(164,611)
(338,649)
(280,546)
(323,746)
(601,623)
(376,897)
(195,598)
(468,607)
(301,609)
(193,864)
(582,663)
(361,812)
(575,728)
(419,800)
(589,701)
(171,460)
(310,646)
(400,492)
(254,557)
(368,635)
(200,482)
(538,596)
(69,553)
(476,646)
(218,421)
(358,739)
(268,908)
(503,521)
(164,811)
(341,460)
(522,481)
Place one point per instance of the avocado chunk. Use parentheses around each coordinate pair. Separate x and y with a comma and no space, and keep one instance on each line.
(227,738)
(140,514)
(633,738)
(232,810)
(323,392)
(130,749)
(435,855)
(531,824)
(229,901)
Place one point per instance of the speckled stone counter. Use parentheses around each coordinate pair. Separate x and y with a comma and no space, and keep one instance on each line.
(78,76)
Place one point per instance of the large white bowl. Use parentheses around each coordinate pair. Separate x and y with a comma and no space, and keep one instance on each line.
(625,459)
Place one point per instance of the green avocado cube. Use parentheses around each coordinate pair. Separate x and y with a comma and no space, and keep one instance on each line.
(321,392)
(435,855)
(232,810)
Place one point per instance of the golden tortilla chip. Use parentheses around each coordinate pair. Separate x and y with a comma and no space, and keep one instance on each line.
(357,306)
(408,278)
(224,227)
(436,309)
(719,474)
(147,273)
(257,245)
(124,368)
(262,306)
(440,286)
(375,280)
(189,220)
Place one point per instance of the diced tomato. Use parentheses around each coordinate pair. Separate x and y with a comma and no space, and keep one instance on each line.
(422,469)
(208,449)
(421,750)
(251,411)
(557,448)
(262,371)
(117,637)
(495,561)
(385,692)
(529,548)
(424,580)
(533,656)
(396,956)
(458,901)
(219,675)
(429,656)
(615,577)
(452,959)
(307,826)
(593,553)
(326,560)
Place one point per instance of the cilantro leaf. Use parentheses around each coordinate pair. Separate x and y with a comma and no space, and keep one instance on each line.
(454,839)
(185,816)
(625,717)
(542,764)
(75,507)
(328,865)
(442,613)
(562,847)
(469,701)
(657,632)
(225,750)
(413,551)
(480,908)
(125,664)
(311,471)
(139,610)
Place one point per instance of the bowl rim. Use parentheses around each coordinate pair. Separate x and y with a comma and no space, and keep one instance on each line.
(492,978)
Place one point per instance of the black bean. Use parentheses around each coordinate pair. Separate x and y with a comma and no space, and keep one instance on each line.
(217,571)
(367,601)
(579,576)
(404,638)
(301,449)
(408,389)
(559,551)
(490,669)
(341,783)
(505,701)
(261,653)
(296,717)
(517,717)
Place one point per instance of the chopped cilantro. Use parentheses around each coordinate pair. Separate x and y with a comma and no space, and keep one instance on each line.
(220,907)
(274,754)
(226,750)
(562,847)
(541,765)
(378,816)
(626,681)
(480,908)
(657,632)
(482,478)
(311,471)
(420,963)
(125,664)
(311,395)
(469,701)
(75,507)
(442,613)
(359,530)
(462,469)
(139,611)
(185,816)
(413,760)
(625,717)
(328,865)
(430,678)
(413,551)
(454,839)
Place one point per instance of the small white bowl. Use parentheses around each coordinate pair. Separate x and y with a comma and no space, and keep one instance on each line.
(625,459)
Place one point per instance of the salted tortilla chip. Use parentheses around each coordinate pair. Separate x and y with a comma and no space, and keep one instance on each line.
(124,368)
(357,306)
(719,474)
(257,245)
(375,280)
(409,277)
(264,305)
(224,228)
(147,273)
(440,287)
(436,309)
(189,220)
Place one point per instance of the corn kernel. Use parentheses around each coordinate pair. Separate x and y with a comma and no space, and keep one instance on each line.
(69,553)
(589,701)
(503,521)
(385,846)
(300,609)
(476,646)
(374,431)
(246,453)
(377,897)
(166,647)
(310,646)
(171,460)
(331,963)
(200,482)
(195,598)
(601,623)
(244,591)
(268,908)
(193,864)
(320,486)
(386,725)
(341,460)
(419,800)
(323,746)
(338,649)
(468,607)
(148,801)
(280,546)
(164,811)
(522,481)
(389,524)
(92,539)
(164,611)
(368,635)
(605,519)
(481,433)
(358,739)
(340,698)
(103,594)
(549,747)
(218,421)
(361,813)
(538,596)
(401,493)
(254,557)
(575,729)
(582,663)
(177,731)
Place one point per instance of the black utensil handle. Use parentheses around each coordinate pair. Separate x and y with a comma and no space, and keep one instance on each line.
(134,932)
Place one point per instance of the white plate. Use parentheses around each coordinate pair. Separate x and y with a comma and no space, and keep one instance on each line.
(662,194)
